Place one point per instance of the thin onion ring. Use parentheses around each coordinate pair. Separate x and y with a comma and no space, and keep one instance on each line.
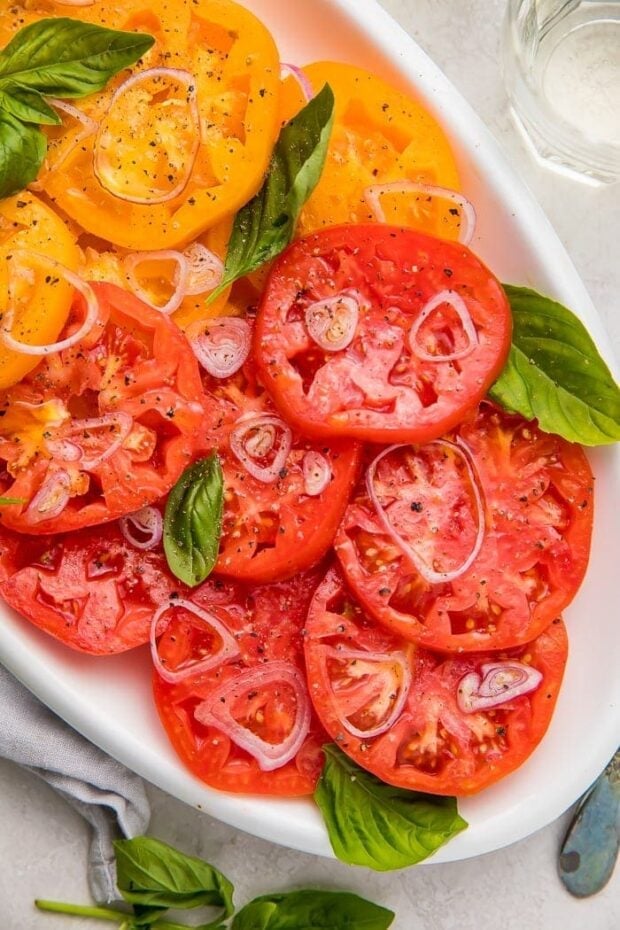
(397,657)
(202,279)
(297,73)
(477,692)
(81,286)
(181,274)
(270,473)
(214,711)
(147,520)
(460,307)
(184,77)
(229,648)
(90,125)
(221,345)
(52,497)
(320,319)
(429,574)
(316,472)
(373,195)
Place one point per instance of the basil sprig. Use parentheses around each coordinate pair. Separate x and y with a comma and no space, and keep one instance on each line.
(555,373)
(312,910)
(154,877)
(376,825)
(266,224)
(56,57)
(193,521)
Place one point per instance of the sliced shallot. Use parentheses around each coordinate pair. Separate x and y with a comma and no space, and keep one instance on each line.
(375,192)
(317,473)
(121,423)
(204,269)
(148,523)
(366,659)
(222,345)
(297,73)
(104,171)
(228,648)
(460,308)
(63,449)
(181,277)
(332,321)
(216,711)
(255,438)
(426,571)
(52,497)
(86,291)
(499,683)
(89,126)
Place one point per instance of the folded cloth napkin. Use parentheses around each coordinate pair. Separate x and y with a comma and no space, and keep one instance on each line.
(104,792)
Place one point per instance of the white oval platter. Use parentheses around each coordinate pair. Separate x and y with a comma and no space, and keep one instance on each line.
(109,700)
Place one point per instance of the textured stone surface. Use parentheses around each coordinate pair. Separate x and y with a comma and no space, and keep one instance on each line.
(43,843)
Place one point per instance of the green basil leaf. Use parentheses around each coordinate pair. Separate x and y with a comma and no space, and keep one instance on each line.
(376,825)
(312,910)
(62,57)
(152,875)
(266,224)
(28,106)
(22,150)
(193,521)
(555,374)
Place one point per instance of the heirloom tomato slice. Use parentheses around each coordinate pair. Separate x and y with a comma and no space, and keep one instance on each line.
(475,541)
(379,333)
(203,139)
(39,304)
(100,429)
(384,143)
(255,693)
(90,589)
(284,495)
(413,717)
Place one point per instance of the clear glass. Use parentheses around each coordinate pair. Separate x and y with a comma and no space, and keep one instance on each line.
(561,63)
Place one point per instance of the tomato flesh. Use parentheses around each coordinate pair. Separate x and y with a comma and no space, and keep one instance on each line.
(537,496)
(433,745)
(90,589)
(136,364)
(272,530)
(266,623)
(378,388)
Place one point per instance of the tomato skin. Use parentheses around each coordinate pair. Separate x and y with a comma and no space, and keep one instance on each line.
(135,362)
(376,389)
(267,623)
(433,746)
(90,589)
(538,501)
(270,532)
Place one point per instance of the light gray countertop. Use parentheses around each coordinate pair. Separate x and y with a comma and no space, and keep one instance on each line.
(43,843)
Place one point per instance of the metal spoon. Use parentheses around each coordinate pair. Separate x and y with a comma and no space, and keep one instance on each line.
(590,848)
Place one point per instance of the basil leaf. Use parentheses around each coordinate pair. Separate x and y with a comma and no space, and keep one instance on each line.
(376,825)
(312,910)
(28,106)
(62,57)
(22,150)
(193,521)
(555,374)
(265,225)
(152,875)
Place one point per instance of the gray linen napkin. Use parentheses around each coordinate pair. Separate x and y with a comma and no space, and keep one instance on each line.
(104,792)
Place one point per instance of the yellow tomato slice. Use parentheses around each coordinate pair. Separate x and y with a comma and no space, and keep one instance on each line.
(235,64)
(380,136)
(38,302)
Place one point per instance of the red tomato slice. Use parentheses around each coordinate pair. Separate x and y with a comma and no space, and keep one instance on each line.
(90,589)
(432,333)
(256,690)
(102,428)
(536,492)
(282,525)
(395,708)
